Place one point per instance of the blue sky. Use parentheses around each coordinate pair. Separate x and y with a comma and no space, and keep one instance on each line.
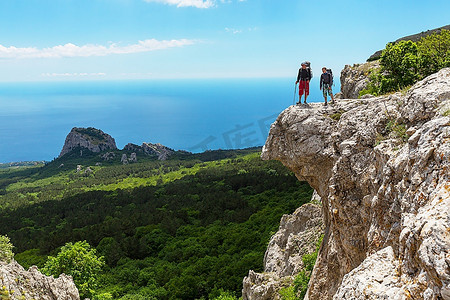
(147,39)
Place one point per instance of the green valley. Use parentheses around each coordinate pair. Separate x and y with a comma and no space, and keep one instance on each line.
(189,227)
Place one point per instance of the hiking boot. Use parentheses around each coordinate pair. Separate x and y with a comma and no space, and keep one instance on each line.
(325,104)
(305,102)
(298,103)
(333,102)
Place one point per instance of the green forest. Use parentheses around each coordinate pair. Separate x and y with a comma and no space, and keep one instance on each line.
(190,227)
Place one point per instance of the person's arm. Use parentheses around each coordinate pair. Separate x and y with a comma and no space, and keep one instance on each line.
(298,76)
(331,79)
(321,81)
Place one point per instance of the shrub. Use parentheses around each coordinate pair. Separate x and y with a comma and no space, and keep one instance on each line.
(336,116)
(81,262)
(225,295)
(406,62)
(103,296)
(31,257)
(288,293)
(309,260)
(435,52)
(6,247)
(401,62)
(301,283)
(397,130)
(393,129)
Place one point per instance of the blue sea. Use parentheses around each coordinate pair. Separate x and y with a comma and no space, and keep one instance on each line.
(193,115)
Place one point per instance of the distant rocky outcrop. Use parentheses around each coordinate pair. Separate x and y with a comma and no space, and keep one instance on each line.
(413,37)
(355,78)
(158,150)
(297,235)
(20,164)
(95,140)
(16,283)
(108,156)
(382,169)
(89,138)
(132,159)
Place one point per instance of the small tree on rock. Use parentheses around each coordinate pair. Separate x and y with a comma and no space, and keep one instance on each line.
(81,262)
(6,247)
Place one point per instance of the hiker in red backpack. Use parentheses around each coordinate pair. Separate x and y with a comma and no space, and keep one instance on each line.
(304,76)
(326,81)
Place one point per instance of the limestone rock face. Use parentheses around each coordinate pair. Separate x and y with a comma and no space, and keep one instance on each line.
(355,78)
(375,278)
(257,286)
(133,157)
(382,169)
(296,236)
(16,283)
(161,151)
(108,156)
(124,159)
(89,138)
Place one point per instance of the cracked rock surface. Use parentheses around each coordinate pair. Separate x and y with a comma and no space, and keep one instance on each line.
(16,283)
(381,167)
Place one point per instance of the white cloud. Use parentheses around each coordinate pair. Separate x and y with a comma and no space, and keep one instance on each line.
(236,31)
(73,74)
(71,50)
(187,3)
(232,30)
(193,3)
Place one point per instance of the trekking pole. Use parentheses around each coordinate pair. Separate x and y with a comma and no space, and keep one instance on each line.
(295,92)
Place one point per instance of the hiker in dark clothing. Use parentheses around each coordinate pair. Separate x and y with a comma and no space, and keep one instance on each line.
(304,76)
(326,81)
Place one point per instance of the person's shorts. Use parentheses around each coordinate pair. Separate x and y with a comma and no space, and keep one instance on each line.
(326,89)
(303,86)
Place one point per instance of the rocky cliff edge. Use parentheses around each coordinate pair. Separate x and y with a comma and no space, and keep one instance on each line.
(16,283)
(381,166)
(297,235)
(355,78)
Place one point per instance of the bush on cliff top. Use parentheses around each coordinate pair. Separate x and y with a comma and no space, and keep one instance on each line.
(81,262)
(406,62)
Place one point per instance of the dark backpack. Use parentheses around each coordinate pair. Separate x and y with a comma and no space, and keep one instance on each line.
(308,67)
(331,75)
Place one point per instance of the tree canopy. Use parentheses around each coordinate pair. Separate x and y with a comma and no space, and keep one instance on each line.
(81,262)
(406,62)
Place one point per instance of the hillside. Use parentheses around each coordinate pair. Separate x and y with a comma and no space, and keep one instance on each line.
(184,228)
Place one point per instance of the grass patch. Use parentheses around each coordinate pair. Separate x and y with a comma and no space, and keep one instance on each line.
(337,115)
(393,130)
(398,130)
